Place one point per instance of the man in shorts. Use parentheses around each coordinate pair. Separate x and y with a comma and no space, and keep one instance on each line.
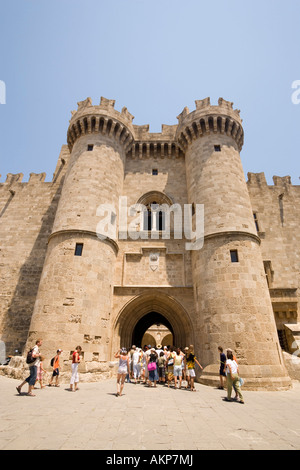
(55,366)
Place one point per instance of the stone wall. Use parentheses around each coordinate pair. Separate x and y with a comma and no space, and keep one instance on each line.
(27,211)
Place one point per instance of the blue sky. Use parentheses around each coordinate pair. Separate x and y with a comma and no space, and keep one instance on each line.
(155,58)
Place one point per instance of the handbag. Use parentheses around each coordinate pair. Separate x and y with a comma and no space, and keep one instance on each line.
(151,366)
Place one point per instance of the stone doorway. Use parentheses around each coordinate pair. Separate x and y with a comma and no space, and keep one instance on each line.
(146,310)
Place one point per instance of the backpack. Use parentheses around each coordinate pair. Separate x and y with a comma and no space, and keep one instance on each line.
(29,358)
(52,361)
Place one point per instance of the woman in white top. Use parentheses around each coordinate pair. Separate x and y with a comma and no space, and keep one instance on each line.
(232,373)
(123,369)
(136,365)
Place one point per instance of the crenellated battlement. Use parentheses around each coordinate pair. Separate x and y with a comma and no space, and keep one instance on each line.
(280,182)
(207,119)
(104,118)
(154,144)
(173,139)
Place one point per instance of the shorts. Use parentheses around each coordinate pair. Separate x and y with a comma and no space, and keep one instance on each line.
(222,372)
(177,371)
(161,372)
(55,372)
(190,373)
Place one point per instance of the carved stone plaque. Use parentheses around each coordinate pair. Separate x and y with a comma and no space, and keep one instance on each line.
(154,261)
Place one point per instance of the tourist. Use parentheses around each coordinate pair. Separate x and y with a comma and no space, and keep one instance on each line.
(191,360)
(184,374)
(152,367)
(235,359)
(158,349)
(56,366)
(177,369)
(170,365)
(136,365)
(123,369)
(142,365)
(222,368)
(75,363)
(147,352)
(161,362)
(131,352)
(32,370)
(40,371)
(144,371)
(232,371)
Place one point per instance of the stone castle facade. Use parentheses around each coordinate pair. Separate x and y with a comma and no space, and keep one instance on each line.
(66,281)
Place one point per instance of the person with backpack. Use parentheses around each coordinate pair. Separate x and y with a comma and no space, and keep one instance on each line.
(33,360)
(55,364)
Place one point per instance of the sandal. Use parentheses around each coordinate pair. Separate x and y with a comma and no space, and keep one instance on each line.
(30,394)
(18,390)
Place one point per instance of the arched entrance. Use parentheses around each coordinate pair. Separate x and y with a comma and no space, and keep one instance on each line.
(150,319)
(147,309)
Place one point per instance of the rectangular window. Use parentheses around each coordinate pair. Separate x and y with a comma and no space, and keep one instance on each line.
(90,147)
(155,171)
(217,148)
(78,249)
(234,256)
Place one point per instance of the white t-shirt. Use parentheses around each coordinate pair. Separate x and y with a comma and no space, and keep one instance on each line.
(233,365)
(34,352)
(136,357)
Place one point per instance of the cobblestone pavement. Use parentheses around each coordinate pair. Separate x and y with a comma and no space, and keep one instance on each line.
(146,418)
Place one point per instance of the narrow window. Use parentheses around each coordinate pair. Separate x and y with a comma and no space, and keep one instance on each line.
(256,221)
(90,147)
(147,220)
(154,171)
(78,249)
(234,256)
(161,220)
(217,148)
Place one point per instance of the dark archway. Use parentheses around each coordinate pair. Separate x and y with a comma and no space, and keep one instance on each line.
(145,322)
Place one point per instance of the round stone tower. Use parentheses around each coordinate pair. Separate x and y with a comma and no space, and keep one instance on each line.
(74,300)
(232,301)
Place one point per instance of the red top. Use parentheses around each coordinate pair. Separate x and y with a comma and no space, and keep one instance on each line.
(75,353)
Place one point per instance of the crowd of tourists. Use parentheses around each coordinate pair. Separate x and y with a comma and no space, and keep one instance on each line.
(161,365)
(173,366)
(168,365)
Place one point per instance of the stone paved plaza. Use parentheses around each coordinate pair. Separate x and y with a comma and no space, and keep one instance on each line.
(93,418)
